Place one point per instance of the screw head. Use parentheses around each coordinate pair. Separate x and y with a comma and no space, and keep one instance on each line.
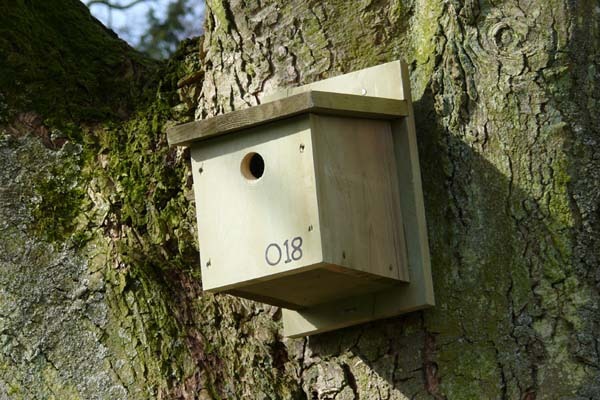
(302,148)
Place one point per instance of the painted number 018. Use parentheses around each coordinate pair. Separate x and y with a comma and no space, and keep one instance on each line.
(293,251)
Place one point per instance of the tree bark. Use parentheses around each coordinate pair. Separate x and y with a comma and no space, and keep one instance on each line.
(101,294)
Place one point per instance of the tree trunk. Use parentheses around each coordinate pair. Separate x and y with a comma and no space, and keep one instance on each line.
(100,295)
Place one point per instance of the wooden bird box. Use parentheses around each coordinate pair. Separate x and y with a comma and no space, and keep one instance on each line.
(299,200)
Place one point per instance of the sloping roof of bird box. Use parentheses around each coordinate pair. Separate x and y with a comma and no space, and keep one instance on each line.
(308,102)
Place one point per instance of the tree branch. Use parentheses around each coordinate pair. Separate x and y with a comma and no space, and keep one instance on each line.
(114,6)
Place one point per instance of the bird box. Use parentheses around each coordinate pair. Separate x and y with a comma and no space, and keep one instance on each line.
(299,200)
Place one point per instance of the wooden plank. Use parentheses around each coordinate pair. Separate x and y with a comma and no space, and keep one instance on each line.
(358,195)
(310,101)
(389,80)
(312,287)
(411,198)
(351,311)
(239,218)
(379,81)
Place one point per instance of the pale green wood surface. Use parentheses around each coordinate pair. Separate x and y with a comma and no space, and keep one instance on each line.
(310,101)
(238,218)
(312,286)
(358,195)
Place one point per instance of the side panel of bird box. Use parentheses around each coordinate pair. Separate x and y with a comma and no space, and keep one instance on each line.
(357,189)
(257,215)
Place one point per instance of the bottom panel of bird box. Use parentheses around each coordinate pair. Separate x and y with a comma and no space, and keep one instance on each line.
(323,283)
(390,302)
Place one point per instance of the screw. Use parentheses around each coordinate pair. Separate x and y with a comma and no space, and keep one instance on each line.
(208,263)
(302,148)
(310,228)
(363,92)
(201,169)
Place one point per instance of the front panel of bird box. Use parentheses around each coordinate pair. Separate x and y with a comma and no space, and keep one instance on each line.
(301,211)
(256,204)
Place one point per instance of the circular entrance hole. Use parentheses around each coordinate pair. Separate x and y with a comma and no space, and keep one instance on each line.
(253,166)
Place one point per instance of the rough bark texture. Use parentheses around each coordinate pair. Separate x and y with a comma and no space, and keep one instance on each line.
(100,294)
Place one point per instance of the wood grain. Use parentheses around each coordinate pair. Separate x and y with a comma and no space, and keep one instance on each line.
(239,218)
(358,195)
(308,102)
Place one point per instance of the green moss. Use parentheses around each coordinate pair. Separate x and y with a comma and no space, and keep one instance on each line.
(57,60)
(14,390)
(145,186)
(398,11)
(147,190)
(558,202)
(563,373)
(60,197)
(55,384)
(121,175)
(474,373)
(132,166)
